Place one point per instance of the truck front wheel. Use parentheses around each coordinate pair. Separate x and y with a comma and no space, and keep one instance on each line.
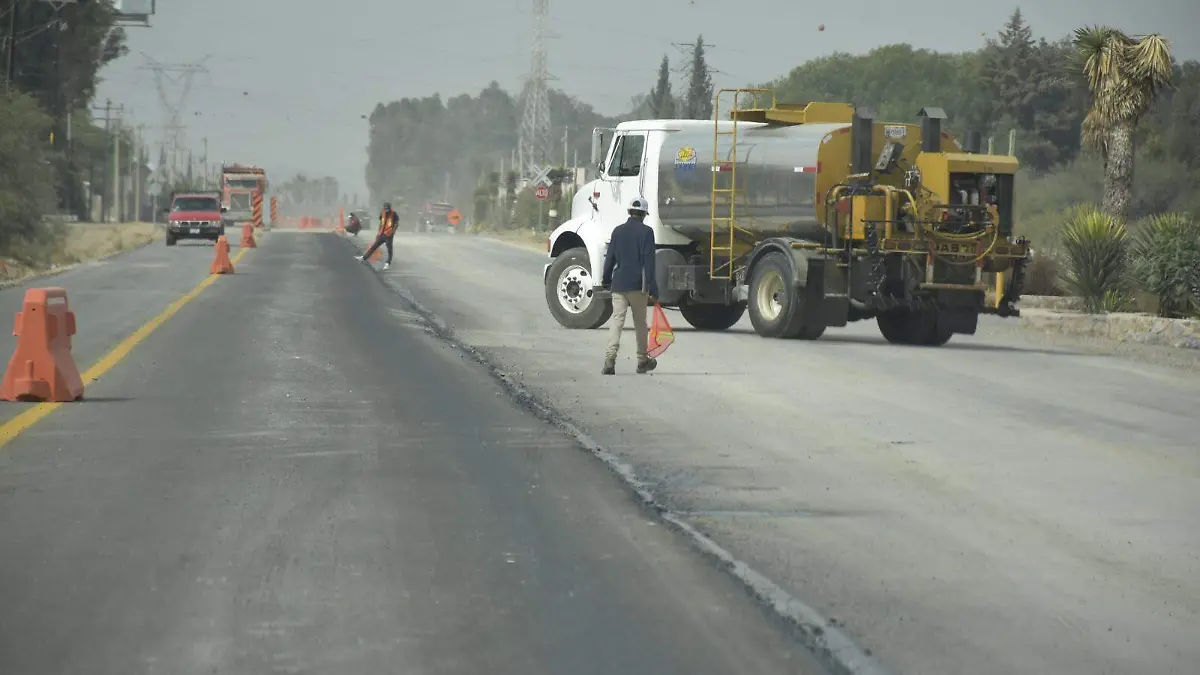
(569,292)
(712,317)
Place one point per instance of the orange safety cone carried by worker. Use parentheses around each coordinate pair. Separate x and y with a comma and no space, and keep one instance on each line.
(41,367)
(221,263)
(248,236)
(661,335)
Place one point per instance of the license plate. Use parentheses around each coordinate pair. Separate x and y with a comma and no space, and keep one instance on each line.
(195,230)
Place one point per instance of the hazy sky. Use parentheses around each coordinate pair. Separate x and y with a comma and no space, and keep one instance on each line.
(288,80)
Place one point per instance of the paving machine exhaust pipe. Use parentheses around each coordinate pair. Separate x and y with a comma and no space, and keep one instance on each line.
(931,129)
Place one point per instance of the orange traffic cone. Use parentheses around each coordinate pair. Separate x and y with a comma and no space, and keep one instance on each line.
(248,236)
(42,368)
(221,263)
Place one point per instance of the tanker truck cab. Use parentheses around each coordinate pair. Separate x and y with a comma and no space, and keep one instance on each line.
(805,217)
(628,169)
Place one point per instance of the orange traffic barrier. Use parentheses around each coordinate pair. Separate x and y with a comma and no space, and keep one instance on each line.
(248,236)
(41,367)
(221,263)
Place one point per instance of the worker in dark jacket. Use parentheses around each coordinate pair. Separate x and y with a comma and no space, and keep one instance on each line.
(388,220)
(629,274)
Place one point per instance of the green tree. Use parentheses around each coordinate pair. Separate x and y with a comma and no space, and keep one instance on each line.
(1033,92)
(26,175)
(58,54)
(661,101)
(1124,75)
(417,145)
(698,104)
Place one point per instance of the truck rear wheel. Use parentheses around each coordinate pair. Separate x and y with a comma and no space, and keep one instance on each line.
(712,317)
(776,303)
(909,327)
(569,292)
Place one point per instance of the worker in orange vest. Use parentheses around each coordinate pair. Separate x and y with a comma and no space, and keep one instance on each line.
(387,232)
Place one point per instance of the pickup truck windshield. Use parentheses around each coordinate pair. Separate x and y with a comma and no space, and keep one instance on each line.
(195,204)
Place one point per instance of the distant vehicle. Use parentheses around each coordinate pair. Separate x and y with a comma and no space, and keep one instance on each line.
(194,216)
(434,217)
(239,184)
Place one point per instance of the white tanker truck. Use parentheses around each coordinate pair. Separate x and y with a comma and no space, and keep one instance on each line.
(809,216)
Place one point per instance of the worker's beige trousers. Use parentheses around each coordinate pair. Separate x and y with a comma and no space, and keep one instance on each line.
(622,303)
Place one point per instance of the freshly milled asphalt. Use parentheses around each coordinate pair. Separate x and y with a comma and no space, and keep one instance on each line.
(1004,504)
(290,476)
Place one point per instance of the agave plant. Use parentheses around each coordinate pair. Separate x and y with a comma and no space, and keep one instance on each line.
(1095,258)
(1165,261)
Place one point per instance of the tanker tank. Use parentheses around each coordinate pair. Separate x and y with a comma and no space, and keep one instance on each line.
(776,180)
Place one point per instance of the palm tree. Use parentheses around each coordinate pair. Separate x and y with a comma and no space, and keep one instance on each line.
(1124,75)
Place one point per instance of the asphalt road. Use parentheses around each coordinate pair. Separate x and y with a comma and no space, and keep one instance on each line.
(1001,505)
(292,476)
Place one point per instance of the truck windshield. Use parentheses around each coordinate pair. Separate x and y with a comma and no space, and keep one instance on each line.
(195,204)
(242,183)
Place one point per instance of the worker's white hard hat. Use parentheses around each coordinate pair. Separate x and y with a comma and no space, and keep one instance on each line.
(639,204)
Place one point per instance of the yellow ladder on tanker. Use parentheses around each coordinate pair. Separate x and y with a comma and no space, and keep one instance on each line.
(723,226)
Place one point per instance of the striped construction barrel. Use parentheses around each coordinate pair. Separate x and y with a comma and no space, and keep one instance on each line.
(256,209)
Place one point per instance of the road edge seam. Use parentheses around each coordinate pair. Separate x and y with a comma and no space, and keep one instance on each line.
(835,649)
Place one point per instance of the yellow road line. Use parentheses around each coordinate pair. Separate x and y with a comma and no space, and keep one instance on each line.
(13,428)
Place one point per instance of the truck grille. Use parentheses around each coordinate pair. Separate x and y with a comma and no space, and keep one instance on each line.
(194,223)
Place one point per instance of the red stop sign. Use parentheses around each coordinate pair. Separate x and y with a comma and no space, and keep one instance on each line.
(542,192)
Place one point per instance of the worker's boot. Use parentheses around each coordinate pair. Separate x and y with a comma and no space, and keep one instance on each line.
(610,367)
(646,365)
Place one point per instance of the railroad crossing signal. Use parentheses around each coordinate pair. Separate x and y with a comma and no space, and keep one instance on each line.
(542,193)
(543,177)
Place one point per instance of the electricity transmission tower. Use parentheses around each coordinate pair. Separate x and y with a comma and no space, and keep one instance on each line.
(683,71)
(534,142)
(165,75)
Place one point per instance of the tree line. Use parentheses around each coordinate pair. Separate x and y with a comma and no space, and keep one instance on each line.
(1017,82)
(50,150)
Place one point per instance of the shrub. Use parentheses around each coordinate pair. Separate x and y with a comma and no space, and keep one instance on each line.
(1042,275)
(1095,264)
(1165,261)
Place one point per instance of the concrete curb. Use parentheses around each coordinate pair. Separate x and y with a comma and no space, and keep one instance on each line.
(823,638)
(1119,327)
(1058,303)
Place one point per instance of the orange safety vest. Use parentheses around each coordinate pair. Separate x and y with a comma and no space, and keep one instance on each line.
(387,224)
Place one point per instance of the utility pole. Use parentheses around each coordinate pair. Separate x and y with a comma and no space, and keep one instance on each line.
(116,167)
(11,47)
(137,173)
(110,181)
